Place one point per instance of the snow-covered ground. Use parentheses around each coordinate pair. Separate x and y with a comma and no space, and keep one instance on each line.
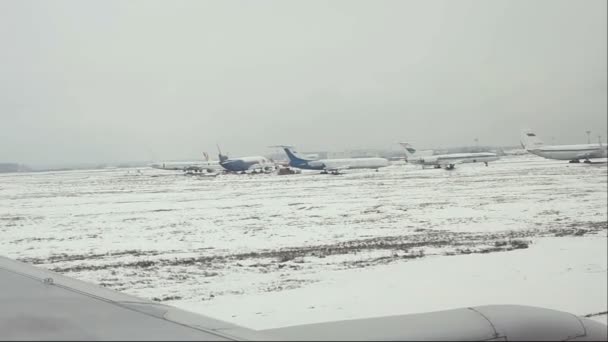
(267,250)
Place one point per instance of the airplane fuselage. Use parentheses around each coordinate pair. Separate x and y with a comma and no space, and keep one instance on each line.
(246,163)
(335,164)
(570,152)
(446,159)
(188,165)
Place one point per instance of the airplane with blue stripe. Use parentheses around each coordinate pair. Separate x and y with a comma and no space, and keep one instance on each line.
(333,166)
(244,164)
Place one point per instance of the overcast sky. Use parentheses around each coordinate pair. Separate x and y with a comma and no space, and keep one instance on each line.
(88,81)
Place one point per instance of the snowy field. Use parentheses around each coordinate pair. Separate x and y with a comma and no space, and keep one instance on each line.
(266,251)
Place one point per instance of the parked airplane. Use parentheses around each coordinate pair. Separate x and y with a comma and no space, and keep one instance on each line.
(37,304)
(332,166)
(190,166)
(448,161)
(574,153)
(244,164)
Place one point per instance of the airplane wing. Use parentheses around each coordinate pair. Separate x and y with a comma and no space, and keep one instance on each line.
(37,304)
(448,162)
(187,167)
(259,167)
(209,167)
(263,165)
(194,168)
(481,323)
(335,167)
(166,167)
(338,168)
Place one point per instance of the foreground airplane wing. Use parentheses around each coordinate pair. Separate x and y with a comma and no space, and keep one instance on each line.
(36,304)
(482,323)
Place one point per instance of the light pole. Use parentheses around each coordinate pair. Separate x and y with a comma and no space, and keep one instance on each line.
(588,137)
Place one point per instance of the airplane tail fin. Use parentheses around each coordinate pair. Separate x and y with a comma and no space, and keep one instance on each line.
(529,140)
(221,157)
(294,156)
(409,150)
(205,156)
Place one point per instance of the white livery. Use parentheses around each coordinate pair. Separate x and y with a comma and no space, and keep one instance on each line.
(574,153)
(190,166)
(332,165)
(447,161)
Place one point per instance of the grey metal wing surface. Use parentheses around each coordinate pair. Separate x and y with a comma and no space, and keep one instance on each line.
(36,304)
(480,323)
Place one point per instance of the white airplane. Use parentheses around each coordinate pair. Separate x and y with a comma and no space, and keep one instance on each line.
(447,161)
(333,166)
(39,305)
(574,153)
(190,166)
